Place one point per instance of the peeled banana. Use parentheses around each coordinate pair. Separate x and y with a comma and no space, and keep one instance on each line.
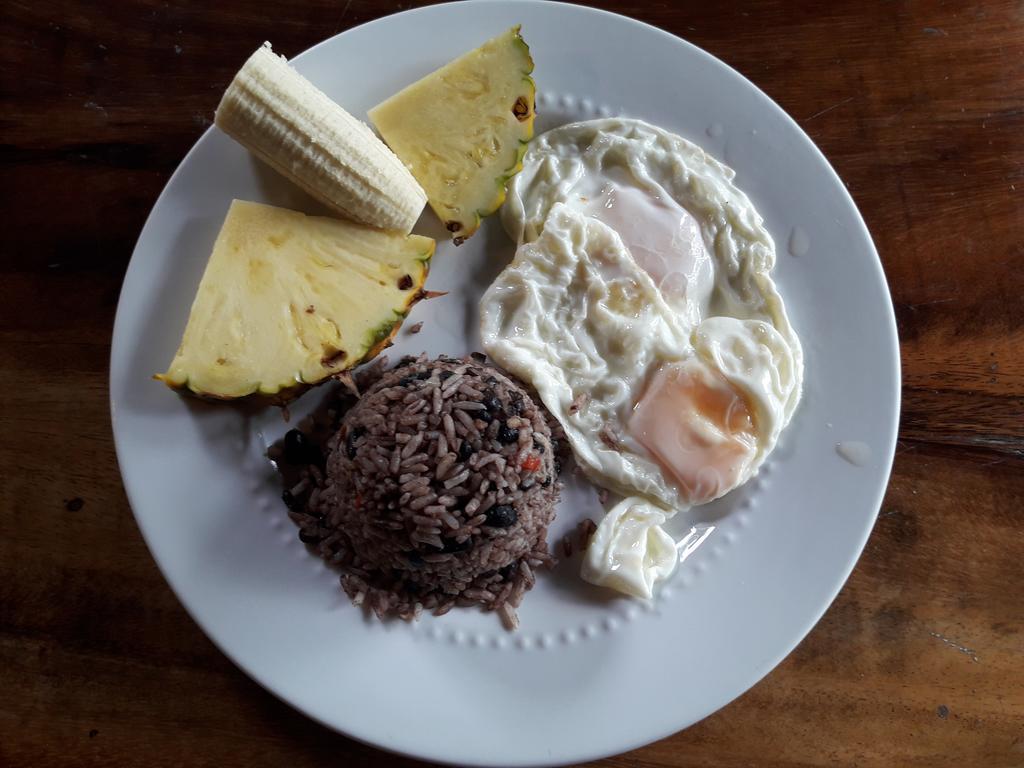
(295,128)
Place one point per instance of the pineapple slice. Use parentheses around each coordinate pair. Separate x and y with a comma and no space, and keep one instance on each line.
(288,300)
(463,129)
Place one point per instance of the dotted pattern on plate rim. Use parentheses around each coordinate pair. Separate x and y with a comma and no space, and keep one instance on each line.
(577,108)
(629,612)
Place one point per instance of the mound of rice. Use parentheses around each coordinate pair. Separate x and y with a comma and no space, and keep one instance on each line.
(437,491)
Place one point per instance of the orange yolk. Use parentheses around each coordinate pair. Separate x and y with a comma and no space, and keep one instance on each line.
(698,427)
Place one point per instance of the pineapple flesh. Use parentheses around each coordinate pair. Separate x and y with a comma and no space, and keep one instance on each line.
(289,300)
(463,129)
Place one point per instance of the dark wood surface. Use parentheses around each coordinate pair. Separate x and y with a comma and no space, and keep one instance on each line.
(920,662)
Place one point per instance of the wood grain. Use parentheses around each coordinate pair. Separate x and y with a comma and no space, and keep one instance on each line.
(920,661)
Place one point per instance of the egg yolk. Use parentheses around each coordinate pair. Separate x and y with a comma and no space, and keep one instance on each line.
(664,239)
(698,427)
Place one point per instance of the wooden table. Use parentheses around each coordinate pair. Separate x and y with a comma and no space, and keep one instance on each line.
(920,662)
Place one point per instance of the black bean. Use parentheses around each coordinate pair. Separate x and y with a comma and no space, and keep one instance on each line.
(294,504)
(510,570)
(507,434)
(484,416)
(515,407)
(452,546)
(501,516)
(465,450)
(539,445)
(424,375)
(405,381)
(350,441)
(546,483)
(309,538)
(414,558)
(445,375)
(492,404)
(293,440)
(406,360)
(298,449)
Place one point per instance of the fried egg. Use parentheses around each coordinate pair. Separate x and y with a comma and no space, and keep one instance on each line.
(640,306)
(651,406)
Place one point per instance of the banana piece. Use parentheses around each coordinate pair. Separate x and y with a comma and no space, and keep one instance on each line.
(291,125)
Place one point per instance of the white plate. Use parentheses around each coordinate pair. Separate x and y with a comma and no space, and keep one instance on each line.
(587,675)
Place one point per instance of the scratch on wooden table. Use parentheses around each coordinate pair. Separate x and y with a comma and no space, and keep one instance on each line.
(94,106)
(903,447)
(899,111)
(829,109)
(1010,444)
(341,18)
(994,462)
(930,303)
(956,646)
